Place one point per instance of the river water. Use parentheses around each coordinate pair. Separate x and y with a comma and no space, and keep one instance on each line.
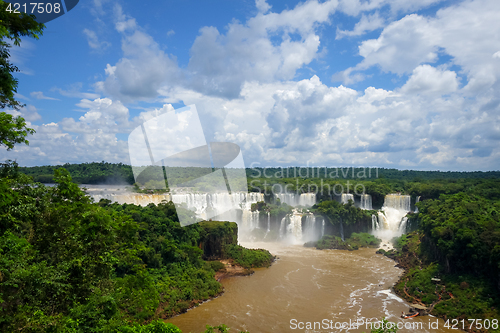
(332,288)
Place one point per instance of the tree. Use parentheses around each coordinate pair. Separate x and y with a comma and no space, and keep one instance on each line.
(12,27)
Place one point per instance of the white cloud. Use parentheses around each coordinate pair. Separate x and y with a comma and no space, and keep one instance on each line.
(262,49)
(354,7)
(19,55)
(467,32)
(122,21)
(141,72)
(93,40)
(74,90)
(365,24)
(402,46)
(30,113)
(262,6)
(428,79)
(428,122)
(40,95)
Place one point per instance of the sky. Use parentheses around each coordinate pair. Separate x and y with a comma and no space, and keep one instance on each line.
(406,84)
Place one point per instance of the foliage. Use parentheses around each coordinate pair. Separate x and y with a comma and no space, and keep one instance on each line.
(70,265)
(85,173)
(462,232)
(455,295)
(250,258)
(12,129)
(356,241)
(12,27)
(156,326)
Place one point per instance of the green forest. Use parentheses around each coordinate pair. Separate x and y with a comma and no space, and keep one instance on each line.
(457,244)
(70,265)
(456,237)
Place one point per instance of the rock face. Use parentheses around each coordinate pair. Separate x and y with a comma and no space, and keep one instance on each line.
(216,236)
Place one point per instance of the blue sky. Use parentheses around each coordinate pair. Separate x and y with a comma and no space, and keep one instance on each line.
(407,84)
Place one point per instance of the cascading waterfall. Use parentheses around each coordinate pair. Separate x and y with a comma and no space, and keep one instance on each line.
(389,222)
(298,227)
(322,227)
(375,224)
(416,201)
(250,220)
(391,218)
(268,222)
(282,227)
(366,202)
(309,233)
(296,200)
(402,226)
(345,197)
(294,228)
(136,199)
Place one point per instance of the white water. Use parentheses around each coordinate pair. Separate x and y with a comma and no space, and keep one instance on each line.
(416,201)
(296,200)
(236,207)
(392,217)
(366,202)
(346,197)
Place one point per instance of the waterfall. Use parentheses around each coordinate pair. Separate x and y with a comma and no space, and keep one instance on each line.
(375,224)
(402,226)
(346,197)
(282,227)
(295,200)
(136,199)
(398,201)
(366,202)
(268,222)
(391,218)
(310,231)
(249,220)
(416,201)
(322,227)
(294,228)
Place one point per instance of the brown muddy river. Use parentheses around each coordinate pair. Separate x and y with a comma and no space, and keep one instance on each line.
(335,289)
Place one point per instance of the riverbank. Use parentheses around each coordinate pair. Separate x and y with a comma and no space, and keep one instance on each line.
(231,269)
(455,299)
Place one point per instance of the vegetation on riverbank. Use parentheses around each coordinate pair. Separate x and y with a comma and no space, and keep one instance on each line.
(70,265)
(356,241)
(449,295)
(250,258)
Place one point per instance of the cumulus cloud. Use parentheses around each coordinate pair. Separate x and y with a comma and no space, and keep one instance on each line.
(467,32)
(243,82)
(262,6)
(141,72)
(266,48)
(428,79)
